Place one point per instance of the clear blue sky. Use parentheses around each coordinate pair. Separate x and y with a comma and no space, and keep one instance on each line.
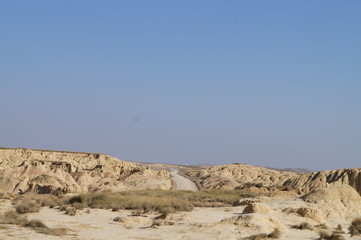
(272,83)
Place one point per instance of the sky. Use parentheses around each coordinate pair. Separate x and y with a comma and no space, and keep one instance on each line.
(266,83)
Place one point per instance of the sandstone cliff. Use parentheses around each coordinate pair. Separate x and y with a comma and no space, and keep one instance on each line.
(315,180)
(46,171)
(234,176)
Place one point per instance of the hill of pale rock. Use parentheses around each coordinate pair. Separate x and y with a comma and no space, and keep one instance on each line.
(234,176)
(44,171)
(315,180)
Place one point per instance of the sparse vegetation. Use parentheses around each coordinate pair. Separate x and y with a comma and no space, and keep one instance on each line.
(275,234)
(35,224)
(71,211)
(40,199)
(339,229)
(12,217)
(322,226)
(303,226)
(27,206)
(334,236)
(355,228)
(159,200)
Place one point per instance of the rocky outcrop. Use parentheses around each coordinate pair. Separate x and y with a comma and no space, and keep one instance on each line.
(235,176)
(315,180)
(44,171)
(239,175)
(257,208)
(336,201)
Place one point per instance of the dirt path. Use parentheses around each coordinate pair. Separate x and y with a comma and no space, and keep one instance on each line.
(181,182)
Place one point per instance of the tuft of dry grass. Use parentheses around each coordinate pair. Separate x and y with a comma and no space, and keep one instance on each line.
(339,229)
(334,236)
(14,218)
(275,234)
(26,206)
(322,226)
(355,227)
(39,227)
(158,200)
(303,226)
(71,211)
(41,199)
(35,223)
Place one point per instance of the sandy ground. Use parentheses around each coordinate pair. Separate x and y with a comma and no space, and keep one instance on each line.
(199,224)
(181,182)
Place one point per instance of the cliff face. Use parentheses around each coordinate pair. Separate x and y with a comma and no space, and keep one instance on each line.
(239,175)
(46,171)
(311,181)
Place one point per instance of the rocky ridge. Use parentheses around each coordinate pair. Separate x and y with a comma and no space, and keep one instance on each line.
(235,176)
(238,175)
(45,171)
(308,182)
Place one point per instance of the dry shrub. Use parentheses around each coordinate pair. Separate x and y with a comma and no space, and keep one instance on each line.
(63,208)
(137,213)
(70,211)
(39,227)
(118,219)
(162,216)
(303,226)
(355,227)
(26,206)
(156,223)
(339,229)
(159,200)
(48,202)
(12,217)
(322,226)
(275,234)
(35,223)
(78,206)
(41,199)
(334,236)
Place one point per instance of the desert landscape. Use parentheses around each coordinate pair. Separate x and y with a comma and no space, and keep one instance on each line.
(69,195)
(180,120)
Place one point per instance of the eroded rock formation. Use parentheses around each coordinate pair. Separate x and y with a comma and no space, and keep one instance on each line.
(315,180)
(44,171)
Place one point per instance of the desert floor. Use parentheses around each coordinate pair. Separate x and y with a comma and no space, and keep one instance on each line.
(202,223)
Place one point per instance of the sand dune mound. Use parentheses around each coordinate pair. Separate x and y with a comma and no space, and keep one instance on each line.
(257,208)
(238,175)
(44,171)
(336,201)
(248,223)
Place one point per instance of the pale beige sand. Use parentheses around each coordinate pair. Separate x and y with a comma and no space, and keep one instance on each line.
(182,183)
(226,223)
